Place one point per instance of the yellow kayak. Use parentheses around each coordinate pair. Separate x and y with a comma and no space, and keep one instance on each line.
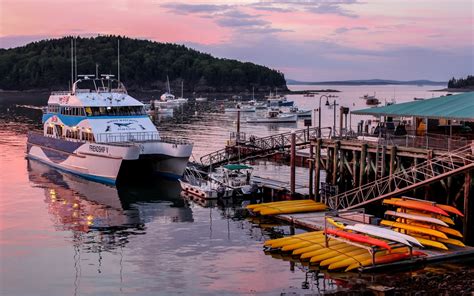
(280,207)
(348,255)
(335,223)
(368,261)
(365,256)
(446,230)
(450,241)
(409,227)
(430,243)
(295,240)
(316,247)
(332,253)
(250,207)
(277,205)
(301,235)
(293,209)
(342,247)
(306,243)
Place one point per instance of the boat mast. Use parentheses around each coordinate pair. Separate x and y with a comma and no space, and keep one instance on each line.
(168,82)
(253,93)
(118,60)
(182,83)
(72,62)
(75,59)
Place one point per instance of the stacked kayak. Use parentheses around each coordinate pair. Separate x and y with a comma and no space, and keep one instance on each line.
(428,222)
(287,207)
(341,254)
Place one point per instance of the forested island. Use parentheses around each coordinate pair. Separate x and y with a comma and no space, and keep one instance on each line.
(144,65)
(461,83)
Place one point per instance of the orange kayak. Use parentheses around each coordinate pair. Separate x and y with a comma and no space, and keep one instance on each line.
(416,205)
(446,208)
(359,238)
(388,258)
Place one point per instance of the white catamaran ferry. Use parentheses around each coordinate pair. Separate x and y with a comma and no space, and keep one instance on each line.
(102,133)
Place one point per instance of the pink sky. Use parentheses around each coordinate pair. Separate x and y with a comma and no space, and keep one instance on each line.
(308,39)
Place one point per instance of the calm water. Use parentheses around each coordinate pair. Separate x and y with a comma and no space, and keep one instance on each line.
(62,235)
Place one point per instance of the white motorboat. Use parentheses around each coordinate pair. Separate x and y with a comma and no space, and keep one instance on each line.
(201,99)
(275,100)
(274,115)
(257,105)
(206,189)
(98,131)
(299,113)
(233,176)
(168,99)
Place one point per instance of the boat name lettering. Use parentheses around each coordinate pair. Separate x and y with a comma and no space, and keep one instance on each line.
(98,149)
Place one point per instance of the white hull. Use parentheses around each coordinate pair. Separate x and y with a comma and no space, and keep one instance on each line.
(204,191)
(280,119)
(229,110)
(104,162)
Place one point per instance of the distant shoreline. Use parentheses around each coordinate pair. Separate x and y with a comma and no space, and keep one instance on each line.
(454,89)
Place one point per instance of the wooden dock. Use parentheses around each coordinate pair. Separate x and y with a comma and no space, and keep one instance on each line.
(315,221)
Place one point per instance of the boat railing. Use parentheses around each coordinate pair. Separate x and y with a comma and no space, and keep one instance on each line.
(60,93)
(138,137)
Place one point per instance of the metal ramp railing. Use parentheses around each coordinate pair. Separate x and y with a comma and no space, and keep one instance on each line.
(257,146)
(427,172)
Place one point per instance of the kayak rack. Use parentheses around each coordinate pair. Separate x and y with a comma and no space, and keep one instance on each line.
(361,213)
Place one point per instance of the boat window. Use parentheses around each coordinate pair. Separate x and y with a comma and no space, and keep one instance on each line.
(53,108)
(115,111)
(49,130)
(87,136)
(73,111)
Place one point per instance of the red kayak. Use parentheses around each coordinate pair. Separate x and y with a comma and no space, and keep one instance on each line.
(359,238)
(394,257)
(416,205)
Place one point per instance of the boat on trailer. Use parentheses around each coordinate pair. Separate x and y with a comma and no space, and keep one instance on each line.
(98,131)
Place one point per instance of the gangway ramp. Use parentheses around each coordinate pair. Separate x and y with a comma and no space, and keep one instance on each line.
(425,173)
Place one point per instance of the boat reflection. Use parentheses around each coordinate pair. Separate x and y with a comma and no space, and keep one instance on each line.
(106,212)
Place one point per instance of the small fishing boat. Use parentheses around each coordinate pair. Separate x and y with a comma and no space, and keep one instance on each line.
(274,115)
(234,176)
(201,99)
(308,95)
(275,100)
(370,100)
(257,105)
(206,189)
(298,112)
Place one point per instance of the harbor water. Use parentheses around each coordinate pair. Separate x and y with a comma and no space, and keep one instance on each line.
(63,235)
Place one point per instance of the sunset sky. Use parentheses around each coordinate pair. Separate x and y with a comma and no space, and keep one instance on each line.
(312,40)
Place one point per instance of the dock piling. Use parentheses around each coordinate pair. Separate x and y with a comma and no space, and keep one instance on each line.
(293,164)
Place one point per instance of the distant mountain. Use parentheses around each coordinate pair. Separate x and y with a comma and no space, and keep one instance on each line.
(368,82)
(144,65)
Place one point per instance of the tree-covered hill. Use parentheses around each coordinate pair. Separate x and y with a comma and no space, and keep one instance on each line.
(144,65)
(462,83)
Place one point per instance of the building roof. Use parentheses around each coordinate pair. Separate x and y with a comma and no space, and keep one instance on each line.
(458,107)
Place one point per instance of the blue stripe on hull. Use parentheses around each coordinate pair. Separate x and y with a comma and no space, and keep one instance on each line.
(85,176)
(54,143)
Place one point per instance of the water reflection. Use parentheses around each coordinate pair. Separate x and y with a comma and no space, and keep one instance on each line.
(106,215)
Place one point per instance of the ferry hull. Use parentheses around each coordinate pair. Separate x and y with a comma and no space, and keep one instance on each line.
(108,163)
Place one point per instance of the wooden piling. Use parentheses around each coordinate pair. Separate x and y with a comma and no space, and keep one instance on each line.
(354,168)
(293,164)
(311,170)
(317,163)
(466,220)
(363,159)
(335,158)
(393,157)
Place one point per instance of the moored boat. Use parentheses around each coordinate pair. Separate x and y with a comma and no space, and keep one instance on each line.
(274,115)
(98,131)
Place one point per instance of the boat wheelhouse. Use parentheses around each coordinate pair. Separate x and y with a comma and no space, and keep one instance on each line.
(97,130)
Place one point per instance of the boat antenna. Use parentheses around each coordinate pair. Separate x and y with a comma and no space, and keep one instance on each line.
(168,81)
(75,58)
(253,93)
(118,59)
(72,62)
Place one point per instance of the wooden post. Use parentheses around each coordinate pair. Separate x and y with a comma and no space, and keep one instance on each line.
(317,163)
(341,117)
(354,168)
(466,220)
(311,169)
(293,164)
(393,157)
(363,159)
(334,162)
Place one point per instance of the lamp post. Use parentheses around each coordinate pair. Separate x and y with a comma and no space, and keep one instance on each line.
(319,122)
